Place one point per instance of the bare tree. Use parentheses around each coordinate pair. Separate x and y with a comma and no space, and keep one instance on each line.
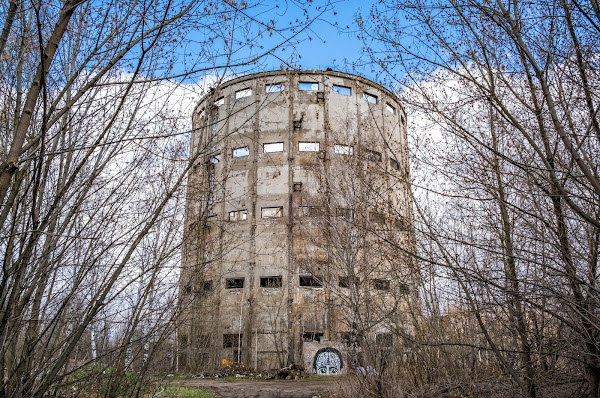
(510,89)
(93,160)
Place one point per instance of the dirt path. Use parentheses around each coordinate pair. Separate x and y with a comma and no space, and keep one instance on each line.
(262,389)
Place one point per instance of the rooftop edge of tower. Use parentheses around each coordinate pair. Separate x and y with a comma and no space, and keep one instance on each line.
(287,72)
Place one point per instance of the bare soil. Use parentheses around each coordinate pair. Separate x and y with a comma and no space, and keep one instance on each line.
(263,389)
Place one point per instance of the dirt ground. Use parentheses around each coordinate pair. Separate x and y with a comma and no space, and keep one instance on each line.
(263,389)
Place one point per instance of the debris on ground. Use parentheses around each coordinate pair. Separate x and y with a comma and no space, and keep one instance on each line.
(238,370)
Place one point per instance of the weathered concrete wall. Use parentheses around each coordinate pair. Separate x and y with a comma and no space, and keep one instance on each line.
(291,214)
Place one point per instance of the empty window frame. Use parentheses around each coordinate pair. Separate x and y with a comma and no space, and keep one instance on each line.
(214,159)
(271,281)
(308,146)
(238,215)
(311,281)
(394,164)
(373,156)
(403,288)
(310,211)
(342,90)
(343,149)
(346,281)
(312,336)
(273,147)
(231,340)
(350,339)
(370,98)
(220,101)
(240,152)
(381,284)
(376,217)
(271,212)
(274,88)
(390,108)
(384,339)
(247,92)
(343,212)
(234,283)
(308,86)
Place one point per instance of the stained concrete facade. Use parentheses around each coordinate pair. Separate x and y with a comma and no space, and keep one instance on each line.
(298,223)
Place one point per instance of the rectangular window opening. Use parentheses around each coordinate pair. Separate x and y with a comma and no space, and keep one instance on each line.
(376,217)
(274,88)
(271,212)
(403,288)
(240,152)
(370,98)
(220,101)
(207,286)
(234,283)
(273,147)
(308,146)
(381,284)
(214,159)
(311,281)
(308,86)
(343,212)
(342,90)
(271,281)
(238,215)
(247,92)
(232,340)
(350,339)
(384,339)
(310,211)
(395,165)
(347,281)
(373,156)
(312,336)
(343,149)
(390,109)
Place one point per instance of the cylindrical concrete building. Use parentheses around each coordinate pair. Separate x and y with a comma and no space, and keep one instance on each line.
(298,224)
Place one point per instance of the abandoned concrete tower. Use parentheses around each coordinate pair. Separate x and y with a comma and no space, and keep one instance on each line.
(298,224)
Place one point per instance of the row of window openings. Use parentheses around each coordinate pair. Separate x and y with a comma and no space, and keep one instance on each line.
(303,280)
(306,86)
(309,211)
(265,212)
(305,147)
(233,340)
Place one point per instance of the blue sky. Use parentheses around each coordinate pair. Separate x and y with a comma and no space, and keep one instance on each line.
(334,45)
(330,42)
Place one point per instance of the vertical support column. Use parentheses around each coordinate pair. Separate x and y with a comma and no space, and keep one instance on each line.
(252,184)
(322,97)
(291,263)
